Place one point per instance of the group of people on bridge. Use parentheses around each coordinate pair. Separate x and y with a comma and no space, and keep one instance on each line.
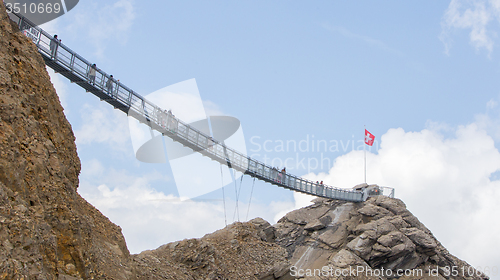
(167,120)
(110,81)
(91,72)
(277,175)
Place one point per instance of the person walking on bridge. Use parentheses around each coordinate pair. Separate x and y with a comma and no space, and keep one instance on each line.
(109,85)
(54,45)
(92,73)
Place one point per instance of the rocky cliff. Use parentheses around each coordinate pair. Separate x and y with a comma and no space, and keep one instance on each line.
(376,239)
(47,231)
(379,237)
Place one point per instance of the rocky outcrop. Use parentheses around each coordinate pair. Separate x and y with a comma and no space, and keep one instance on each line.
(378,235)
(47,231)
(376,239)
(239,251)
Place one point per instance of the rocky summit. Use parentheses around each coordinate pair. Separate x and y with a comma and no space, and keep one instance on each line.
(48,231)
(376,239)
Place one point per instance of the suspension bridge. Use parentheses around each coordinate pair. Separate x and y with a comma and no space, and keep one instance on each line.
(76,69)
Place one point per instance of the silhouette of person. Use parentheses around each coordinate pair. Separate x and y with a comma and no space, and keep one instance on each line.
(92,73)
(109,85)
(54,45)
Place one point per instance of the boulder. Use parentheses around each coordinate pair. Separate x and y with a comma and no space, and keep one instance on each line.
(345,259)
(314,225)
(398,222)
(310,257)
(396,206)
(391,239)
(420,238)
(339,214)
(404,248)
(334,237)
(379,251)
(362,245)
(380,227)
(306,215)
(267,231)
(373,210)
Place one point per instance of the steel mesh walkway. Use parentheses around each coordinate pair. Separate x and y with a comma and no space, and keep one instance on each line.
(75,68)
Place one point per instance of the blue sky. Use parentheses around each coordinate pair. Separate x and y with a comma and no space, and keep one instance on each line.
(422,77)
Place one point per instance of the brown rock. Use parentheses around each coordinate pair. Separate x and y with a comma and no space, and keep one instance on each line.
(396,206)
(362,245)
(420,238)
(373,210)
(398,222)
(306,215)
(391,239)
(340,213)
(314,225)
(334,237)
(345,259)
(267,231)
(49,229)
(380,227)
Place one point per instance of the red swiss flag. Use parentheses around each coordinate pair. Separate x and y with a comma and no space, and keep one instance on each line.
(369,138)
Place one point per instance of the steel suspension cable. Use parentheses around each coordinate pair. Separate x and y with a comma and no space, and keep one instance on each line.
(236,210)
(223,195)
(250,201)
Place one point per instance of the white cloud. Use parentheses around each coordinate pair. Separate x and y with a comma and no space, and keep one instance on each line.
(150,218)
(491,104)
(476,16)
(212,109)
(103,23)
(490,121)
(445,182)
(102,124)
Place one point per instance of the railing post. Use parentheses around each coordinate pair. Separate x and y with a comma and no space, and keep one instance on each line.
(197,139)
(72,64)
(129,99)
(21,21)
(39,38)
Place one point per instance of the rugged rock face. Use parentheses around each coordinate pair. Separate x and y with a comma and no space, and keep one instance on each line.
(239,251)
(376,239)
(380,235)
(47,231)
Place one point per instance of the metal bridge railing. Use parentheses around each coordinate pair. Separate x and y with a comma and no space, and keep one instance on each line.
(76,68)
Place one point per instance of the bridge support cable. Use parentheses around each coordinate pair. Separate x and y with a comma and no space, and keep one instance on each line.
(238,193)
(250,200)
(75,68)
(223,195)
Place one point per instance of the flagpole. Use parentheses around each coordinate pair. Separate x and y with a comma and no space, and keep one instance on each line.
(364,149)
